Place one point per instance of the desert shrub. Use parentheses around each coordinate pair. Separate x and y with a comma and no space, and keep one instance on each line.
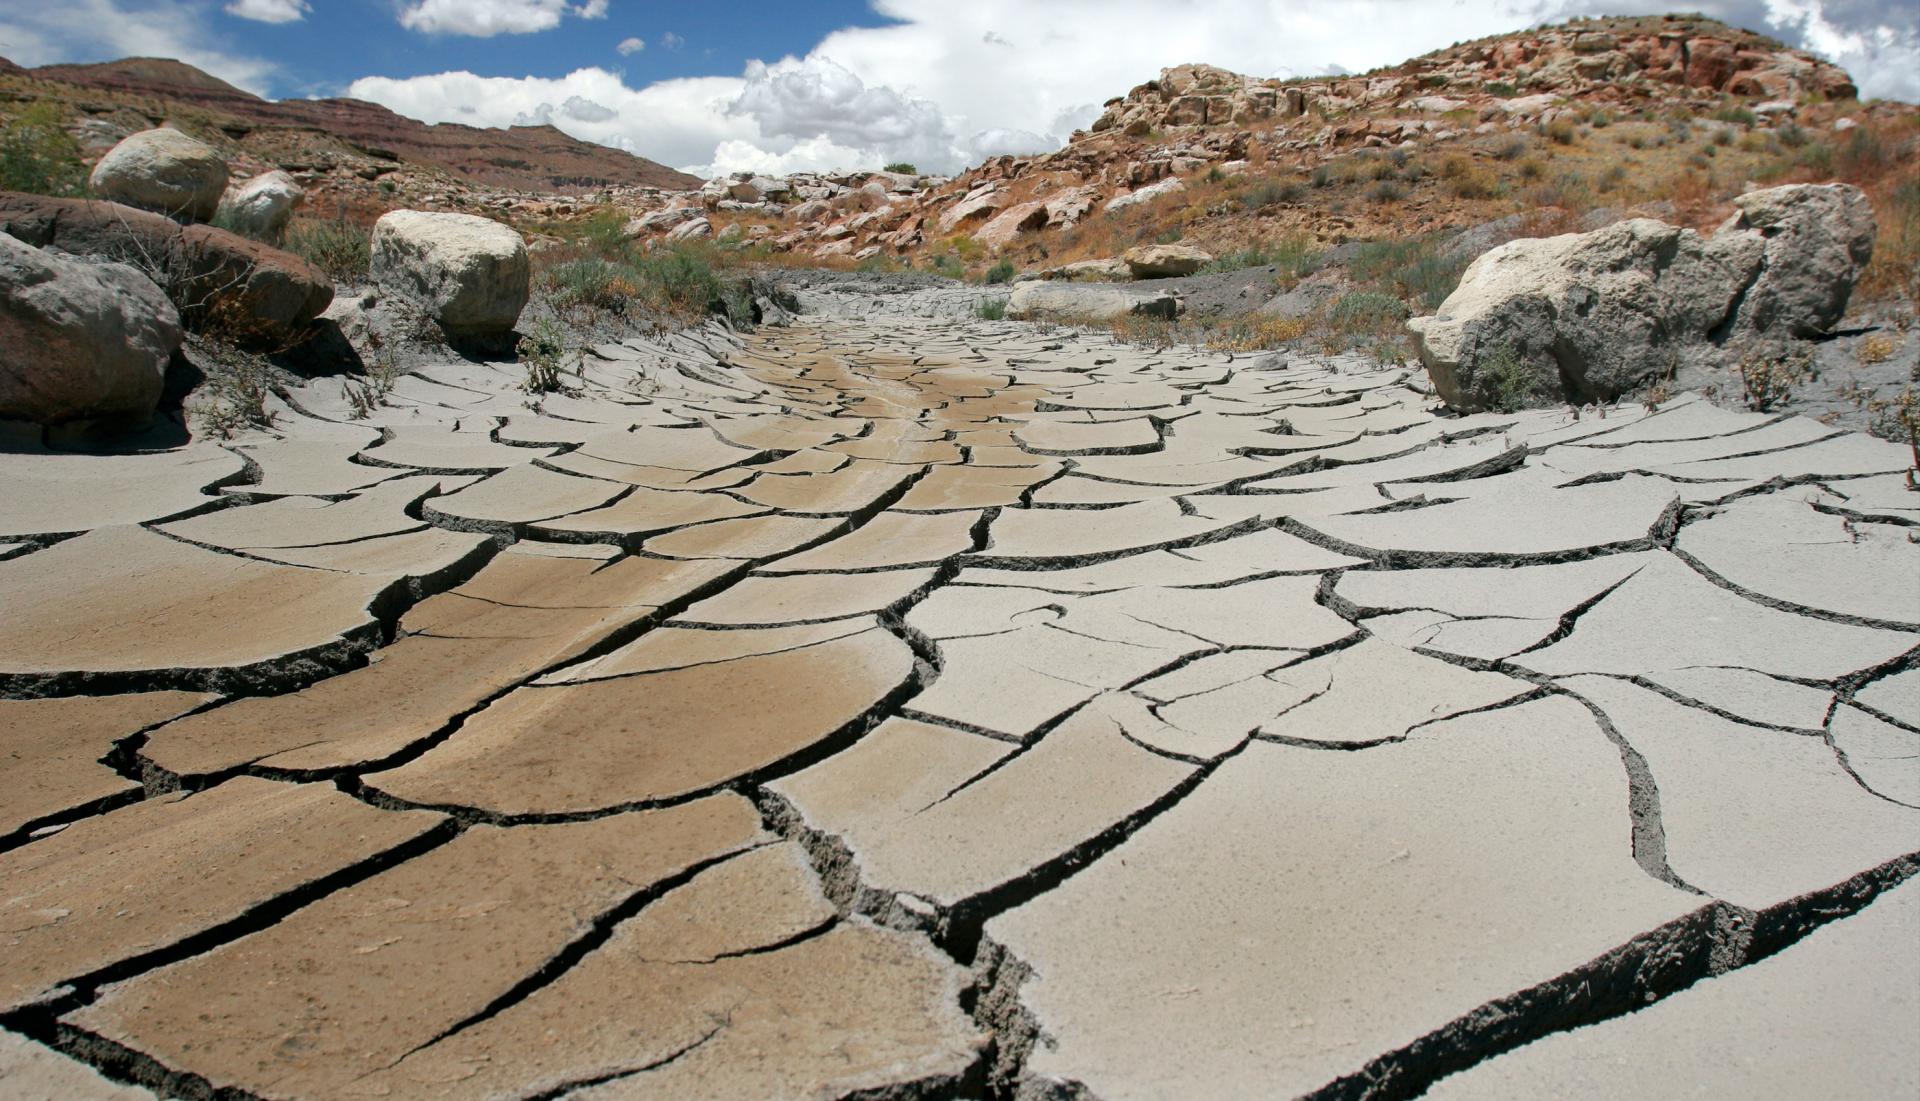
(1513,148)
(1863,156)
(1323,176)
(1878,348)
(1505,380)
(1475,184)
(947,264)
(1380,169)
(1613,177)
(1735,116)
(1767,380)
(991,309)
(1366,311)
(37,155)
(1502,89)
(1722,136)
(1895,268)
(543,353)
(1386,191)
(1253,332)
(1560,131)
(1401,156)
(240,387)
(336,246)
(1792,136)
(589,282)
(905,168)
(1295,255)
(1600,120)
(1531,169)
(1002,272)
(1268,193)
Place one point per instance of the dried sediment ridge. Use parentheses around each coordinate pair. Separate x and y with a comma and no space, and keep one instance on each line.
(898,706)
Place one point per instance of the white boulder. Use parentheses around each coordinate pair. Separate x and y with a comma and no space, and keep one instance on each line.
(260,207)
(164,171)
(471,274)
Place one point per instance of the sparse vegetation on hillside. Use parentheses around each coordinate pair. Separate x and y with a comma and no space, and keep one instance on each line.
(38,156)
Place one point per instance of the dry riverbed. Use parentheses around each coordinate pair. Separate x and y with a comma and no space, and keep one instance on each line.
(891,705)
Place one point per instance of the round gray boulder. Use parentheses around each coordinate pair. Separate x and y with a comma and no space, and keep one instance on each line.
(164,171)
(470,274)
(84,341)
(260,207)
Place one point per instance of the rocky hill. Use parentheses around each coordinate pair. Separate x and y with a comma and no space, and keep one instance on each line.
(1508,124)
(344,138)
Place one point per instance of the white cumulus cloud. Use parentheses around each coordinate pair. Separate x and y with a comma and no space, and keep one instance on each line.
(270,11)
(486,18)
(630,46)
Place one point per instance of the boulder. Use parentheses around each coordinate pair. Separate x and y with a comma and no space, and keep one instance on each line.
(85,341)
(691,230)
(244,289)
(1163,261)
(1818,240)
(811,210)
(163,171)
(1168,186)
(260,207)
(1070,302)
(470,273)
(1588,317)
(255,293)
(1092,271)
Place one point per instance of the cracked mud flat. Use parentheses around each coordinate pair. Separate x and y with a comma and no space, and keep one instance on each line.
(883,706)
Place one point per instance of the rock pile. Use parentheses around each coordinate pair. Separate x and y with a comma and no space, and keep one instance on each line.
(1589,316)
(255,293)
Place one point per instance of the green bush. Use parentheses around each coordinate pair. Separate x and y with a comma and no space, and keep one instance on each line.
(1268,193)
(1294,255)
(1367,311)
(38,156)
(1386,191)
(1002,272)
(1738,116)
(1504,381)
(902,167)
(336,246)
(991,309)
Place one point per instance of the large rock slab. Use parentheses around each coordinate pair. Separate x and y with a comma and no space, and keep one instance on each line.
(85,341)
(1162,261)
(164,171)
(471,274)
(1043,301)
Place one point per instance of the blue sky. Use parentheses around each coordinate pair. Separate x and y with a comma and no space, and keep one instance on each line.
(339,41)
(783,85)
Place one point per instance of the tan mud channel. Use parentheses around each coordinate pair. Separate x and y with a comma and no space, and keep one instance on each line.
(893,707)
